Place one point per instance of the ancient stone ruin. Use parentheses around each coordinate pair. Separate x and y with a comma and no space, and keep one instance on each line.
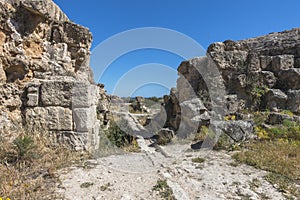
(46,82)
(258,74)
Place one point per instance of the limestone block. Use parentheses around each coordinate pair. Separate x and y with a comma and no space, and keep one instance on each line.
(275,99)
(95,138)
(60,118)
(232,104)
(84,95)
(164,136)
(267,78)
(36,118)
(84,118)
(10,96)
(33,94)
(33,100)
(49,118)
(290,78)
(282,62)
(265,62)
(56,93)
(238,130)
(293,102)
(192,108)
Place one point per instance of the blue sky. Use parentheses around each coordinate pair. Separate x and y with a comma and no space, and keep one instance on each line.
(204,21)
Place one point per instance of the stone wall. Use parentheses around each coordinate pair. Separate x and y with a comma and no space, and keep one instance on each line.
(46,84)
(256,74)
(263,71)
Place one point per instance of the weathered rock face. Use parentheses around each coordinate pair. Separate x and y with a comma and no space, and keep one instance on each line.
(255,74)
(46,83)
(261,71)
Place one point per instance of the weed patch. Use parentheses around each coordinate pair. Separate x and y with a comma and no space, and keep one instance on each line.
(164,189)
(29,164)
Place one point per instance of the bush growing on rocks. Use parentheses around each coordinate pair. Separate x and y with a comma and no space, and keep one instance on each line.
(120,138)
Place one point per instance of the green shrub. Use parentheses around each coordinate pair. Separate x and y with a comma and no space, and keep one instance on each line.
(24,147)
(289,130)
(287,112)
(223,142)
(120,138)
(256,93)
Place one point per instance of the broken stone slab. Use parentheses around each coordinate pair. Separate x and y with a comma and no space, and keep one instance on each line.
(238,130)
(77,141)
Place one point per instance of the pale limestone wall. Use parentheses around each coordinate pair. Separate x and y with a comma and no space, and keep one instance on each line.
(46,83)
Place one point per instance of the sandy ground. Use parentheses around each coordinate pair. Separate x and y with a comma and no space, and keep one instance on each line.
(132,176)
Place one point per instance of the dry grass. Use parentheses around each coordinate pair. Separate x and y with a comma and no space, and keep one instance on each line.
(281,158)
(275,156)
(198,160)
(277,150)
(29,164)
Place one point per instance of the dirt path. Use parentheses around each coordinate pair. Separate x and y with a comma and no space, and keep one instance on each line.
(132,176)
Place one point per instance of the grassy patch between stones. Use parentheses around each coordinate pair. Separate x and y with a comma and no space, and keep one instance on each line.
(276,150)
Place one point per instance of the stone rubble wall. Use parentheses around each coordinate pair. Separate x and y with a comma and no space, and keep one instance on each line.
(46,84)
(256,74)
(263,71)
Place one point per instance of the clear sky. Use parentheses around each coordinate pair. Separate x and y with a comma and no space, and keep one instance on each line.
(202,20)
